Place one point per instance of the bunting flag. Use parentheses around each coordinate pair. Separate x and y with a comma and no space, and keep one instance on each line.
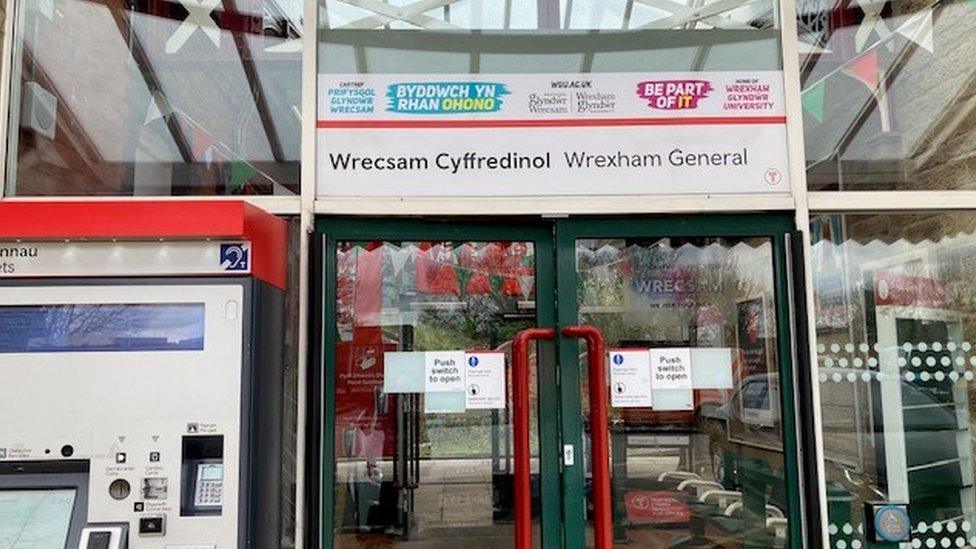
(240,172)
(201,141)
(152,111)
(495,281)
(368,287)
(872,22)
(918,29)
(436,270)
(528,285)
(812,100)
(399,258)
(865,68)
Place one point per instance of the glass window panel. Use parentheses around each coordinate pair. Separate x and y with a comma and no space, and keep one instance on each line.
(3,27)
(415,467)
(530,36)
(153,97)
(887,94)
(895,310)
(701,466)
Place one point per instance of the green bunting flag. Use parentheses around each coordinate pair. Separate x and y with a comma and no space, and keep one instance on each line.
(240,172)
(812,100)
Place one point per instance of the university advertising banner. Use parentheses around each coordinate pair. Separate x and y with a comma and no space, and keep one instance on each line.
(551,134)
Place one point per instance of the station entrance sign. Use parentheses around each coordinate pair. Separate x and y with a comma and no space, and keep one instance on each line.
(551,134)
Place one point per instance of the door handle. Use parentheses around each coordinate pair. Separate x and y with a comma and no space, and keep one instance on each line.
(520,420)
(599,431)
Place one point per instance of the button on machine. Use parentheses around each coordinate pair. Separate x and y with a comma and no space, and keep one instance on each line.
(152,525)
(119,489)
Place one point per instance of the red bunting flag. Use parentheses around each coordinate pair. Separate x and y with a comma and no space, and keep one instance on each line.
(201,142)
(865,68)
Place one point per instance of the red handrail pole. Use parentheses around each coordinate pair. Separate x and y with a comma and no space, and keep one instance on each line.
(520,420)
(599,432)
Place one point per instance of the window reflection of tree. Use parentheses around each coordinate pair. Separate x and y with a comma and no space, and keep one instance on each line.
(93,325)
(465,321)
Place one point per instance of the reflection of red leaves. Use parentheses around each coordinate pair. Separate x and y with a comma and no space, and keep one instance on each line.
(505,268)
(511,287)
(626,266)
(505,260)
(436,270)
(478,285)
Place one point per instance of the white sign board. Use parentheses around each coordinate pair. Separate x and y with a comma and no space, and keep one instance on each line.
(444,372)
(404,372)
(671,368)
(551,134)
(630,378)
(49,259)
(671,378)
(485,381)
(444,403)
(711,368)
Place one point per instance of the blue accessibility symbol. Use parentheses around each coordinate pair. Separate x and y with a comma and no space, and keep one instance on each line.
(473,361)
(234,257)
(618,359)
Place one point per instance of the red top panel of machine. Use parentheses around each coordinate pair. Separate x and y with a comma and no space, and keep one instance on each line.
(152,220)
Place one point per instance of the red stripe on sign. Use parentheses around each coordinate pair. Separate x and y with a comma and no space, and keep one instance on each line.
(564,122)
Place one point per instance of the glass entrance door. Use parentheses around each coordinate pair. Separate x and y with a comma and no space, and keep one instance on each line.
(694,316)
(418,426)
(419,325)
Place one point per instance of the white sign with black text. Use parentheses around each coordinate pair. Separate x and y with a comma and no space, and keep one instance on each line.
(485,381)
(125,258)
(630,378)
(671,368)
(444,371)
(551,134)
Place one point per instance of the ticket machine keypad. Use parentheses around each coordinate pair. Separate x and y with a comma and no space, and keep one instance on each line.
(209,489)
(211,493)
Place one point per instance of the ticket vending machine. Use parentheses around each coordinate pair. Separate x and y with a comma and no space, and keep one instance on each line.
(140,367)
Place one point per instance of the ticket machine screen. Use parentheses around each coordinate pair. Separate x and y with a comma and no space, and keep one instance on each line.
(102,327)
(35,519)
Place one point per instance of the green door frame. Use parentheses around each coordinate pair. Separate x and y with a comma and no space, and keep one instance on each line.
(563,517)
(333,230)
(774,226)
